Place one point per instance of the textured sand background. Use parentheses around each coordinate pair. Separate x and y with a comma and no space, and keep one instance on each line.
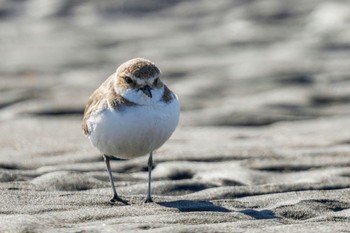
(264,140)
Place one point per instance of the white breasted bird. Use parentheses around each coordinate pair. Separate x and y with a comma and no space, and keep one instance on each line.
(131,114)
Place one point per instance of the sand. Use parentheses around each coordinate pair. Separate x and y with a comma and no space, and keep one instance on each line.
(262,145)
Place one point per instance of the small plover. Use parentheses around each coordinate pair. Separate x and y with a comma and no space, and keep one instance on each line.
(131,114)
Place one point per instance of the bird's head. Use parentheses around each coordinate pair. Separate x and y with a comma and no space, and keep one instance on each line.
(139,75)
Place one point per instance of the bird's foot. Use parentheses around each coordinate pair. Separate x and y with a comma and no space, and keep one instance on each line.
(148,200)
(116,198)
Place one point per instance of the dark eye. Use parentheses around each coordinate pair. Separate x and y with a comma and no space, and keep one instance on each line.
(128,80)
(156,81)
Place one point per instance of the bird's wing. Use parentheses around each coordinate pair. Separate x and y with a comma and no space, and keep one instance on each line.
(96,102)
(102,98)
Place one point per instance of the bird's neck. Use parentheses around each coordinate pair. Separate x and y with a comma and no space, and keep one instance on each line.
(138,97)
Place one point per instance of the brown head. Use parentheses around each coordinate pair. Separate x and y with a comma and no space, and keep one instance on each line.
(140,74)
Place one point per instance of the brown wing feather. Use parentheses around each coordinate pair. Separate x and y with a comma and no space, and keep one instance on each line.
(96,101)
(102,98)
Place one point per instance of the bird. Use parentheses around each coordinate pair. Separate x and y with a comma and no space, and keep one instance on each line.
(132,114)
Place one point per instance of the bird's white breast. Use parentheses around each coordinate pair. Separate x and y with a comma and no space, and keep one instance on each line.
(133,131)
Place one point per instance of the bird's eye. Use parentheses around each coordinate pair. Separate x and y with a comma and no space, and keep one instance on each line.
(156,81)
(128,80)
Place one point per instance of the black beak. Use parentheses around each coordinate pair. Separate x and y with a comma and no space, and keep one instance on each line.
(147,90)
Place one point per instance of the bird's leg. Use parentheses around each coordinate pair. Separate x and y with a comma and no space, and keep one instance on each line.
(115,195)
(150,163)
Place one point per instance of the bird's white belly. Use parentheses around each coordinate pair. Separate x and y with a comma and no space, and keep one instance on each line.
(135,130)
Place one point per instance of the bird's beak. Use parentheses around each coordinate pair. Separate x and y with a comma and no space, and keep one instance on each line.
(147,90)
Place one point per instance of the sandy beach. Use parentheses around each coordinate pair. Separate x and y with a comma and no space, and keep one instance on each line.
(263,143)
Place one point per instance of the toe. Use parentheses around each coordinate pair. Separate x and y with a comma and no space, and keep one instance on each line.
(118,199)
(148,200)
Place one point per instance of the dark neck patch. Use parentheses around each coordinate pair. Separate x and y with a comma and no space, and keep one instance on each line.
(168,96)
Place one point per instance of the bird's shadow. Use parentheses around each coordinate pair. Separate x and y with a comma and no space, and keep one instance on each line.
(262,214)
(190,206)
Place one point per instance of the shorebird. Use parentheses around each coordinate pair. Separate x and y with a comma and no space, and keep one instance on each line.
(131,114)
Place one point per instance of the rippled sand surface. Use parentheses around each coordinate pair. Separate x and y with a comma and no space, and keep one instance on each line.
(263,143)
